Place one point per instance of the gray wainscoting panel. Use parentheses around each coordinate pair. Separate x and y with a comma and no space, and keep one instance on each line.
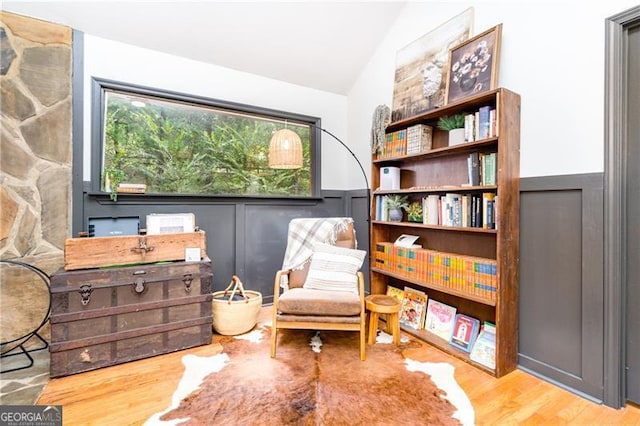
(561,281)
(245,237)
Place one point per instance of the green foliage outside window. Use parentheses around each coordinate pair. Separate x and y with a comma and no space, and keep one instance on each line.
(180,148)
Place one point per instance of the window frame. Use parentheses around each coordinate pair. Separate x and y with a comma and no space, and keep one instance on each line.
(99,86)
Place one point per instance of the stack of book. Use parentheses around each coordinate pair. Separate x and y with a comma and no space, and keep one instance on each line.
(460,210)
(481,124)
(395,145)
(419,138)
(470,275)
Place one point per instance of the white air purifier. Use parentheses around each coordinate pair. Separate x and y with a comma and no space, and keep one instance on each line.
(390,178)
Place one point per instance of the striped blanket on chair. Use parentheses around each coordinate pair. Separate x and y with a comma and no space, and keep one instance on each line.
(304,232)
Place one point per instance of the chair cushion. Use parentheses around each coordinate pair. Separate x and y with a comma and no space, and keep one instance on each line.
(334,268)
(346,238)
(302,301)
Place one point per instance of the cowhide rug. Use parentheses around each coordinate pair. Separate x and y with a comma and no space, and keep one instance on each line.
(315,379)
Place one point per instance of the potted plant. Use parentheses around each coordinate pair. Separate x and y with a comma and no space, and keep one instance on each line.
(454,124)
(414,211)
(113,177)
(396,203)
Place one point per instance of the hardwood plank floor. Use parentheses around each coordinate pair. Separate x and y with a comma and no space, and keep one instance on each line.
(128,394)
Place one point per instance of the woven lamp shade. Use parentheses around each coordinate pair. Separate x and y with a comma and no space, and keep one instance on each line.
(285,150)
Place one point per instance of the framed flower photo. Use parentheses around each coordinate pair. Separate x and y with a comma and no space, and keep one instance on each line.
(473,65)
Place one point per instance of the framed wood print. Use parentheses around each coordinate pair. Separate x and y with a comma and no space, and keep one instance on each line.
(473,65)
(421,67)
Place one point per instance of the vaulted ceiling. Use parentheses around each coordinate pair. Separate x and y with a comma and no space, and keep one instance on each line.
(317,44)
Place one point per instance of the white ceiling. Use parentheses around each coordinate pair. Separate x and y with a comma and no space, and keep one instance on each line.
(318,44)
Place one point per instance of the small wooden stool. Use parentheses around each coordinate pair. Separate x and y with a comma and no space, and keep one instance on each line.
(380,304)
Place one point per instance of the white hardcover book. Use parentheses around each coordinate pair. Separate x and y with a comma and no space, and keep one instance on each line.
(432,209)
(171,223)
(469,128)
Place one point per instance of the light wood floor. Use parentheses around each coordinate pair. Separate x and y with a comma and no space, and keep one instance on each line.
(128,394)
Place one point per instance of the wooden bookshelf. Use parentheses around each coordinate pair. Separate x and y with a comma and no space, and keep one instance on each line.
(442,170)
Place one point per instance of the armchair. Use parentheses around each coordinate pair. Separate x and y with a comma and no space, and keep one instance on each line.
(324,289)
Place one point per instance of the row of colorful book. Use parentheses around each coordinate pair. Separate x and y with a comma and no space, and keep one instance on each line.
(395,145)
(460,210)
(444,321)
(470,275)
(412,140)
(482,168)
(481,124)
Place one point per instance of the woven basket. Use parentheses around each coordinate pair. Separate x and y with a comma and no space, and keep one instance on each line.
(235,317)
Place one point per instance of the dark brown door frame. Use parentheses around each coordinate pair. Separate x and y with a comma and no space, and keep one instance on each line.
(616,85)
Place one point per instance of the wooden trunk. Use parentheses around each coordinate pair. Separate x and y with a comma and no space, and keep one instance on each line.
(102,317)
(97,252)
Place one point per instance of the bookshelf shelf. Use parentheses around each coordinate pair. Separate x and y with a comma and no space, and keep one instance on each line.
(444,346)
(440,152)
(435,190)
(491,237)
(442,228)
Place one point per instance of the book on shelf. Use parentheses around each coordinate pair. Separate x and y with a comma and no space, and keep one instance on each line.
(382,208)
(419,138)
(466,210)
(488,213)
(473,168)
(382,255)
(132,188)
(460,210)
(469,126)
(484,123)
(451,210)
(476,127)
(493,123)
(484,348)
(413,308)
(395,145)
(488,168)
(430,209)
(440,319)
(465,332)
(396,293)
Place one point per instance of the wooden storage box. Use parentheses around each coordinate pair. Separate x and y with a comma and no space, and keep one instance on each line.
(97,252)
(102,317)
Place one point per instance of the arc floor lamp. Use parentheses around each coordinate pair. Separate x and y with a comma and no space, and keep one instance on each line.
(285,152)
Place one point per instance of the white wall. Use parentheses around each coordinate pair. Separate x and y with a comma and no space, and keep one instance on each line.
(552,55)
(130,64)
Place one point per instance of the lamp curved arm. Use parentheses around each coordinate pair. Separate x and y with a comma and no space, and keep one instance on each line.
(364,174)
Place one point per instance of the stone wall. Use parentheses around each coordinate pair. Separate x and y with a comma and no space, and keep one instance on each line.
(35,140)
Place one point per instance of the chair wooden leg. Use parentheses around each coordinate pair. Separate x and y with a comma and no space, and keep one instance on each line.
(274,339)
(362,342)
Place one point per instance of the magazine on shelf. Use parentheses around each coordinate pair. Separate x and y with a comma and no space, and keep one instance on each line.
(440,319)
(396,293)
(413,308)
(484,349)
(465,332)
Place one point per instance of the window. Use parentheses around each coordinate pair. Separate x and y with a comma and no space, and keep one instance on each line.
(181,144)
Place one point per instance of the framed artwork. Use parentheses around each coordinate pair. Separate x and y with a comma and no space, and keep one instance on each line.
(473,65)
(419,84)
